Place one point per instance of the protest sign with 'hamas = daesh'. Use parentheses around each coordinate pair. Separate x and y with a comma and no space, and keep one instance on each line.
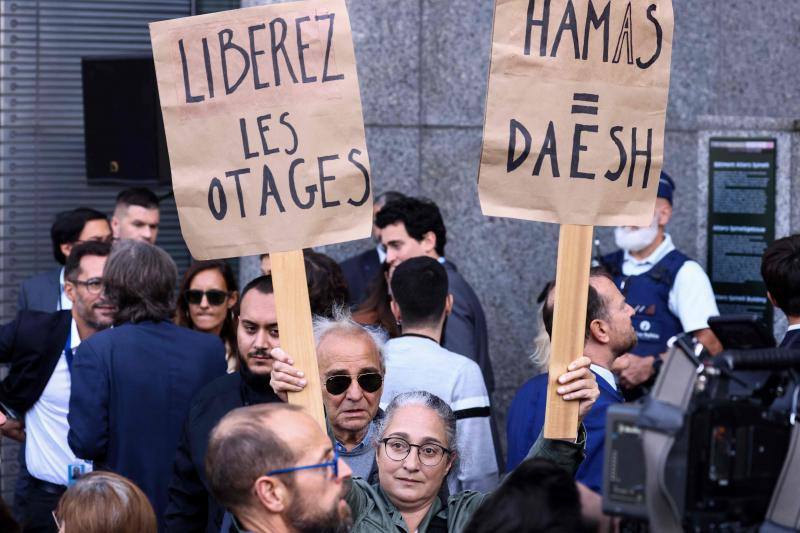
(574,128)
(264,128)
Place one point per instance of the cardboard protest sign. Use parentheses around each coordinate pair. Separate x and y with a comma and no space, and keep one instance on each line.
(574,134)
(575,113)
(262,114)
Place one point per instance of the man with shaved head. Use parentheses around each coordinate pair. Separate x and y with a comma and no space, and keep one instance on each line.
(275,469)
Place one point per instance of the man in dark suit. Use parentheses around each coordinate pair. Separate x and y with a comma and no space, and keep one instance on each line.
(412,227)
(361,269)
(191,506)
(780,268)
(609,334)
(45,291)
(132,385)
(39,347)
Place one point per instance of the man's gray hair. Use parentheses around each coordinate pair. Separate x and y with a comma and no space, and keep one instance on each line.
(140,281)
(341,322)
(421,399)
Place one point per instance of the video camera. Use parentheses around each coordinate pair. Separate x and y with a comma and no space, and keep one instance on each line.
(707,449)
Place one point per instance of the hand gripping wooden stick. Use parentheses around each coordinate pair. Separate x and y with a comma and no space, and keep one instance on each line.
(569,325)
(294,324)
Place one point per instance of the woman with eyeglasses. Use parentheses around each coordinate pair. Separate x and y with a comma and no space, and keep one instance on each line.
(207,297)
(416,450)
(100,502)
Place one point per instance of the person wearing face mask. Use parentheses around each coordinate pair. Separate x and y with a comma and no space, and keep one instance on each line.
(670,293)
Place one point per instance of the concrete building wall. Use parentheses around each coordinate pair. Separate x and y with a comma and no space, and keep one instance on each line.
(423,67)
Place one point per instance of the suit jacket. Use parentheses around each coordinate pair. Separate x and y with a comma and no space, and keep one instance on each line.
(32,343)
(359,271)
(526,420)
(131,390)
(191,506)
(791,340)
(465,332)
(41,292)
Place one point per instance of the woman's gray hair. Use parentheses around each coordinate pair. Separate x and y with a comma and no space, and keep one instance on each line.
(140,281)
(421,399)
(341,322)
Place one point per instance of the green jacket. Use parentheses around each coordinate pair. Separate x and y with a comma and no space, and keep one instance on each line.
(373,512)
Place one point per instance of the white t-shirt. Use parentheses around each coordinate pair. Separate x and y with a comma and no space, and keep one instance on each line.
(47,452)
(691,298)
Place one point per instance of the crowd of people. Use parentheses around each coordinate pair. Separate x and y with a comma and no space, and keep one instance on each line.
(140,408)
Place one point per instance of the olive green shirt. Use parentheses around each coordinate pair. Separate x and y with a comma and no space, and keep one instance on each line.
(373,512)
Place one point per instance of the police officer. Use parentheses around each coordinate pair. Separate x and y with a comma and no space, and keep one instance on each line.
(669,292)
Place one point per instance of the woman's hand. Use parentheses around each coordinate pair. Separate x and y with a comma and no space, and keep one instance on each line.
(579,383)
(284,377)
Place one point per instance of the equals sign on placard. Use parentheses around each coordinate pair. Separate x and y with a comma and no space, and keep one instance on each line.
(585,109)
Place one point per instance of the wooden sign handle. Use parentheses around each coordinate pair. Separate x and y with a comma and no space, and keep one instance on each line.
(294,324)
(569,325)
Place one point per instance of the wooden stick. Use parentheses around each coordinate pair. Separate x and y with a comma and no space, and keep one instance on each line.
(294,324)
(569,325)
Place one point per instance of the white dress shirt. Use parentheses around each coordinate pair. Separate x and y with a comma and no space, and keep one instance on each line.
(47,452)
(64,303)
(604,373)
(691,298)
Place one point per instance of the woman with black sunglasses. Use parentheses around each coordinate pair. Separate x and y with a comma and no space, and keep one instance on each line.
(207,297)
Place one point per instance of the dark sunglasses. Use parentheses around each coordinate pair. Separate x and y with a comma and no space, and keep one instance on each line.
(215,297)
(339,384)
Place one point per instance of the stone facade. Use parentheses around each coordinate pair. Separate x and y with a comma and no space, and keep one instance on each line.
(423,67)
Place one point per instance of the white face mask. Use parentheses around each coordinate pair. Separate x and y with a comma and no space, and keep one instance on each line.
(636,239)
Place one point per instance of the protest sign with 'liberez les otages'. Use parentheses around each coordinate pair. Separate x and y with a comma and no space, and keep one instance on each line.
(574,128)
(262,114)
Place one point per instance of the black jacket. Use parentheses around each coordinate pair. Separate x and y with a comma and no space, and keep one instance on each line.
(791,340)
(191,507)
(359,271)
(32,344)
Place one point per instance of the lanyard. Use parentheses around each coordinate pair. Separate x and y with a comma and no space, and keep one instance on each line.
(68,350)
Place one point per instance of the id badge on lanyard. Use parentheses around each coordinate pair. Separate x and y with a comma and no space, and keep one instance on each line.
(74,470)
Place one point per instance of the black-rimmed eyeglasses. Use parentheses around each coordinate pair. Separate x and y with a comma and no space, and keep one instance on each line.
(333,464)
(429,454)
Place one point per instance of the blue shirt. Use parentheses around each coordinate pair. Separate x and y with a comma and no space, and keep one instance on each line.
(360,458)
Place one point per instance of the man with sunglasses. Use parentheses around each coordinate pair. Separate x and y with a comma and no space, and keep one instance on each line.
(351,370)
(35,395)
(191,506)
(277,472)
